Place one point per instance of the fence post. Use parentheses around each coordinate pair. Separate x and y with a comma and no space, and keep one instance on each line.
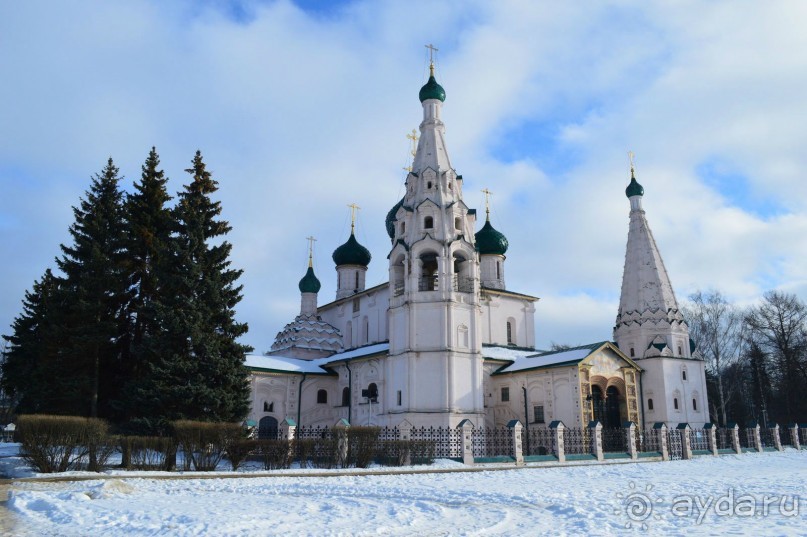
(342,427)
(794,435)
(757,437)
(711,437)
(516,436)
(467,441)
(777,441)
(686,441)
(735,437)
(560,447)
(288,430)
(630,432)
(661,432)
(595,430)
(803,427)
(405,435)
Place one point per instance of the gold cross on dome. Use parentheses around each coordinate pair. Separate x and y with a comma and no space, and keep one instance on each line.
(487,202)
(414,138)
(432,50)
(353,209)
(311,241)
(631,154)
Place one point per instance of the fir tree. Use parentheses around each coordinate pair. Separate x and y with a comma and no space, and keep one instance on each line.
(30,358)
(201,374)
(95,294)
(148,256)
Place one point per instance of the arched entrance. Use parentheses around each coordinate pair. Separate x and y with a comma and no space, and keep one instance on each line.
(267,427)
(613,418)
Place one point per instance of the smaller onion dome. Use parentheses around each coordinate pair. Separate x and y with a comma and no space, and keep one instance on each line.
(634,188)
(432,90)
(352,253)
(489,241)
(309,283)
(390,221)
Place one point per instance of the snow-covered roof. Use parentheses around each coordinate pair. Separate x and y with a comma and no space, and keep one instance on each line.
(552,358)
(287,364)
(282,363)
(507,353)
(356,353)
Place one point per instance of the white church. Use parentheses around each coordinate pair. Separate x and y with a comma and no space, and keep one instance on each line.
(445,340)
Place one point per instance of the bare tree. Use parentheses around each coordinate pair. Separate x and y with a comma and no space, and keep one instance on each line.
(779,326)
(715,325)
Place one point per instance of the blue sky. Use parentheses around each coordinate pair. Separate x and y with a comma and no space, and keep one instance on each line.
(302,108)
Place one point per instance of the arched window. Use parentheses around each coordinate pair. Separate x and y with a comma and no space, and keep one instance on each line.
(372,392)
(322,397)
(268,407)
(457,223)
(695,405)
(511,331)
(649,404)
(632,353)
(345,396)
(683,374)
(428,222)
(675,403)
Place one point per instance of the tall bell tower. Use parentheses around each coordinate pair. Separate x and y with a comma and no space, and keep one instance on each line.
(435,356)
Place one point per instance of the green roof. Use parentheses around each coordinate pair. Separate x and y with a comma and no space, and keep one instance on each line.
(390,221)
(352,253)
(634,188)
(490,241)
(309,283)
(432,90)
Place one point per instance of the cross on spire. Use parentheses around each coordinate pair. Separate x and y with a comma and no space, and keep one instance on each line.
(432,50)
(311,241)
(487,203)
(630,157)
(413,137)
(353,209)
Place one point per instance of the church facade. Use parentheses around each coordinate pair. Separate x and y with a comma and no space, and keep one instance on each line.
(445,340)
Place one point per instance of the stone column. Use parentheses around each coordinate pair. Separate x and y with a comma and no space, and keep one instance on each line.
(735,437)
(630,432)
(777,441)
(711,437)
(516,436)
(467,429)
(560,447)
(757,437)
(341,429)
(595,431)
(405,436)
(686,442)
(794,435)
(661,432)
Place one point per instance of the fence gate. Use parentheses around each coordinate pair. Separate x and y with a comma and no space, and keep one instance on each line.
(675,445)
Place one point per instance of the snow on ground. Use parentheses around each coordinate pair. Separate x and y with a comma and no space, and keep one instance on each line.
(597,499)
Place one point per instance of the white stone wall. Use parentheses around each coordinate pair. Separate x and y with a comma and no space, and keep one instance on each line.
(497,310)
(663,382)
(362,319)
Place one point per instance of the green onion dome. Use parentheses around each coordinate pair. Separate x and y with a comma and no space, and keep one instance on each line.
(634,188)
(390,222)
(309,283)
(432,90)
(490,241)
(352,253)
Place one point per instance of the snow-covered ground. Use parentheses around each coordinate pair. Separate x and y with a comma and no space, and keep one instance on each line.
(723,495)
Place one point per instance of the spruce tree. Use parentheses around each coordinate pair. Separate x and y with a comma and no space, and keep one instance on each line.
(148,243)
(30,376)
(95,294)
(201,373)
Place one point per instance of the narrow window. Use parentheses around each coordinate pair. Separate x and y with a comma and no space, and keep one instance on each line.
(345,396)
(403,227)
(505,394)
(322,397)
(356,305)
(509,333)
(399,398)
(338,280)
(357,280)
(675,403)
(632,353)
(457,224)
(679,351)
(684,374)
(649,404)
(429,185)
(428,222)
(695,405)
(498,271)
(538,412)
